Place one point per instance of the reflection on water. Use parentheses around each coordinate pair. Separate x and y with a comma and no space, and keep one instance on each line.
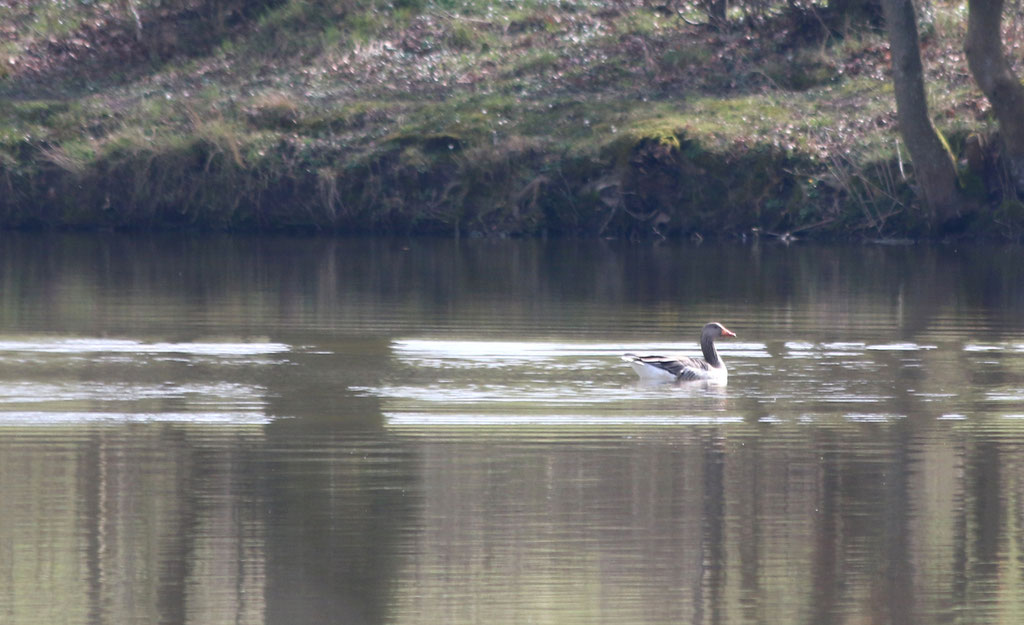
(242,430)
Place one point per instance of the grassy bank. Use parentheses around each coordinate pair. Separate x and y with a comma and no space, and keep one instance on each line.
(599,119)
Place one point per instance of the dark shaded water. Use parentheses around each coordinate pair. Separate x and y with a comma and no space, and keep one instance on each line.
(241,430)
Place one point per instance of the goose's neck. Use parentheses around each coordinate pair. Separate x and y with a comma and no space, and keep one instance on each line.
(707,345)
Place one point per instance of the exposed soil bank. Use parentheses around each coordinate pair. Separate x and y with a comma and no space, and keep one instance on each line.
(644,186)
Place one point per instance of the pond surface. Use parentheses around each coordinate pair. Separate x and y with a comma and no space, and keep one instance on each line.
(207,430)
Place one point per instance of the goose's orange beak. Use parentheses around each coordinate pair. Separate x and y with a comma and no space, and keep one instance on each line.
(728,333)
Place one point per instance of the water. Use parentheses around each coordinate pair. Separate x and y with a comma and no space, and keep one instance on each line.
(203,430)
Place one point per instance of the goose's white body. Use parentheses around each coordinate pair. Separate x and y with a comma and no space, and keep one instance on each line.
(682,368)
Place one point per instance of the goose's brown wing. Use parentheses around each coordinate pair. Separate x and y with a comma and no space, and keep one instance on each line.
(682,368)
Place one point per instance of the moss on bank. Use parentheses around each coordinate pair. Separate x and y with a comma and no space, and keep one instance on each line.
(602,119)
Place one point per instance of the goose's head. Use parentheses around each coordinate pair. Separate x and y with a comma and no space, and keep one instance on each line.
(715,330)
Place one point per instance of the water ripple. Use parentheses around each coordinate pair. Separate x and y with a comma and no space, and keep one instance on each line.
(42,417)
(127,380)
(424,351)
(414,419)
(101,345)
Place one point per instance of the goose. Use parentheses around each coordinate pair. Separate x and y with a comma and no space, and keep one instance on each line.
(682,368)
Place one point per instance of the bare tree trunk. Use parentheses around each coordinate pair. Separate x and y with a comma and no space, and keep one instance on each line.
(717,11)
(992,72)
(129,5)
(934,167)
